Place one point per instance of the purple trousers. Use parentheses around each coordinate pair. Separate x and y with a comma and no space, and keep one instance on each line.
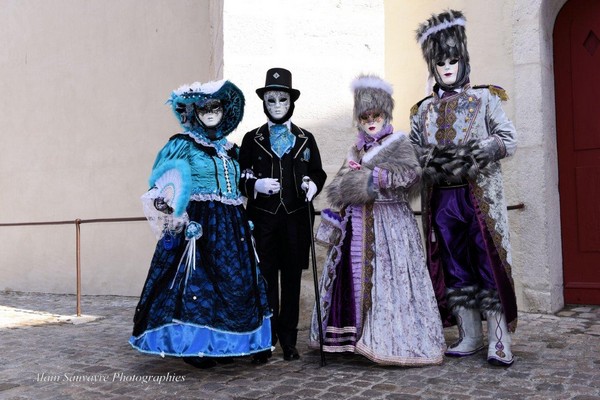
(464,242)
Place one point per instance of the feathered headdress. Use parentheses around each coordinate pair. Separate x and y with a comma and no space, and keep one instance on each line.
(442,37)
(372,93)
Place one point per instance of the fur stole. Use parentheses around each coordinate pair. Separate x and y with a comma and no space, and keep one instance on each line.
(355,186)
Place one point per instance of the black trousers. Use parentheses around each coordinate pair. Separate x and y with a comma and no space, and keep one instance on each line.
(283,245)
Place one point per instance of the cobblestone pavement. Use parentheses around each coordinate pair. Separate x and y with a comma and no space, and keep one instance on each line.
(52,355)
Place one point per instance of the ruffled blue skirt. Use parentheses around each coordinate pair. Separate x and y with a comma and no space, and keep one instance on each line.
(218,309)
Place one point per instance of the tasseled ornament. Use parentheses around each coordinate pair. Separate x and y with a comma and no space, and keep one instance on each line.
(193,232)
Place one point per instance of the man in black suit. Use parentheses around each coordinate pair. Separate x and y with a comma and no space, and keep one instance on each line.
(281,174)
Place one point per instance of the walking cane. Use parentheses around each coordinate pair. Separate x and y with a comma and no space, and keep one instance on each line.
(315,279)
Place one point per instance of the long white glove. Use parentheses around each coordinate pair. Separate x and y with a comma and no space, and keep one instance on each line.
(309,187)
(267,186)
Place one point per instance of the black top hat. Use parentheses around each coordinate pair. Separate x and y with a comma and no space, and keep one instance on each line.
(279,79)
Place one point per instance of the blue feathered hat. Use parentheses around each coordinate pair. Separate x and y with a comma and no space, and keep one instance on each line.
(187,98)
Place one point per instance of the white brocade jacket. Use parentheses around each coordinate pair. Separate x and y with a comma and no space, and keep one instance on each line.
(474,113)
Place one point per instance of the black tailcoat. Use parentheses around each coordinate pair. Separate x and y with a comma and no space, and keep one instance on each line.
(281,220)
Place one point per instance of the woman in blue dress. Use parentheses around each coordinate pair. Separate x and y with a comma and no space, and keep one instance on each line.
(204,299)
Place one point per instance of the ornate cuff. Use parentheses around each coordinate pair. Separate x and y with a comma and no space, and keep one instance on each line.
(501,146)
(380,177)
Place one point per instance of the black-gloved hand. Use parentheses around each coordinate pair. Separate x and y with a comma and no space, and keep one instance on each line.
(482,156)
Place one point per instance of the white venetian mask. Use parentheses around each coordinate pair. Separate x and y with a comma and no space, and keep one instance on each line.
(447,70)
(277,103)
(371,121)
(210,114)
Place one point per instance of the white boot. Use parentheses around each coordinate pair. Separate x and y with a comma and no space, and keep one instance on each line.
(470,333)
(499,353)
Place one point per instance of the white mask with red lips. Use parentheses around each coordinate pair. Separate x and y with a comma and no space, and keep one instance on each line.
(447,71)
(371,122)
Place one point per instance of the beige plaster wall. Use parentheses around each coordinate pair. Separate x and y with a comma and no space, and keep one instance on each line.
(83,90)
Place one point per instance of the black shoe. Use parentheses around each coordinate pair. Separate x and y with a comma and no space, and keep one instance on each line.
(262,357)
(290,353)
(200,362)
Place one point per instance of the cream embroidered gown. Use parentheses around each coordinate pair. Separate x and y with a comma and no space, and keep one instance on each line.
(376,296)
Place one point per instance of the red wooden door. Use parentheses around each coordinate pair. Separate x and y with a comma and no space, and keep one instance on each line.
(577,83)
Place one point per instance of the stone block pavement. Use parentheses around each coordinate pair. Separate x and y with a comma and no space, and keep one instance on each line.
(46,353)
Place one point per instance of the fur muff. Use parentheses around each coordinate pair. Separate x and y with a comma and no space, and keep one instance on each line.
(449,164)
(350,186)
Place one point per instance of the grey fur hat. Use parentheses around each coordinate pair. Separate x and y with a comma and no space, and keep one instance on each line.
(443,36)
(372,93)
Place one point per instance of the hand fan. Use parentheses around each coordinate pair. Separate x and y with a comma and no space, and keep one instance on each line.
(171,186)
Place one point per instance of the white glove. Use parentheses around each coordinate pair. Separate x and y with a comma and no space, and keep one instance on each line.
(309,187)
(267,186)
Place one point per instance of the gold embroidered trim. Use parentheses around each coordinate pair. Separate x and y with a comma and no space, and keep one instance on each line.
(369,255)
(445,121)
(496,238)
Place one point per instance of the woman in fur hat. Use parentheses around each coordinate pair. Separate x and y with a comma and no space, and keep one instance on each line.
(376,295)
(204,299)
(461,133)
